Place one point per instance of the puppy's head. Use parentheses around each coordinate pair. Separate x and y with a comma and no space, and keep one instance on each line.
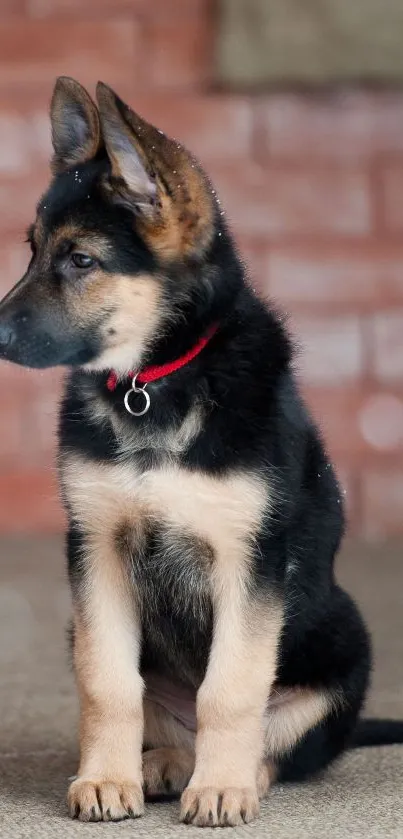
(127,210)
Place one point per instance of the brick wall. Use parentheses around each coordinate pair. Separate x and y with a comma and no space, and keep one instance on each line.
(313,187)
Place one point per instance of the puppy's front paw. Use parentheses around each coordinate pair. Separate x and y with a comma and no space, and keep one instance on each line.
(210,806)
(94,801)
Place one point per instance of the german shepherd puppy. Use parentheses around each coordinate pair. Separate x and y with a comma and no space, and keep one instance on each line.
(213,650)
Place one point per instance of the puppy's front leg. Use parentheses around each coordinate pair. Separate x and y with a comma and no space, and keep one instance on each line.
(231,703)
(106,657)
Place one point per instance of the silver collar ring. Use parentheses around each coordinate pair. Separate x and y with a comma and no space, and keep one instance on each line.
(135,389)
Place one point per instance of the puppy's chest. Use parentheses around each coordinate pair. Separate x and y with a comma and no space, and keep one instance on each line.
(174,526)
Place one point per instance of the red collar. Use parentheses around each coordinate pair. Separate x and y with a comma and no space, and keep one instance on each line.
(152,374)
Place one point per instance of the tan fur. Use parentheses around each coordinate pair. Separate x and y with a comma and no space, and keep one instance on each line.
(99,495)
(231,703)
(185,223)
(133,303)
(104,800)
(106,649)
(224,511)
(291,713)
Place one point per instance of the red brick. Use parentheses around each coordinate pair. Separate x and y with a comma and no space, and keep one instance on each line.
(48,383)
(33,395)
(253,256)
(392,186)
(381,422)
(341,276)
(14,258)
(331,348)
(178,53)
(29,502)
(39,428)
(215,128)
(347,125)
(36,412)
(25,130)
(335,410)
(15,143)
(11,425)
(382,495)
(16,379)
(302,211)
(13,8)
(18,200)
(114,8)
(28,418)
(353,430)
(301,201)
(90,9)
(388,345)
(35,52)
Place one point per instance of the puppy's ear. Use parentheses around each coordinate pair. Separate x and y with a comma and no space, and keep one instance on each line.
(158,179)
(128,160)
(76,132)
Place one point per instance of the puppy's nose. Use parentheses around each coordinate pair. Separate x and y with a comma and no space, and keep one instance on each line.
(6,335)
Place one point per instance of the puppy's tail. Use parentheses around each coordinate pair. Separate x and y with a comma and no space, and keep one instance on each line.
(373,732)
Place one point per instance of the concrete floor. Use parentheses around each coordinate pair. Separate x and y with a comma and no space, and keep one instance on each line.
(359,797)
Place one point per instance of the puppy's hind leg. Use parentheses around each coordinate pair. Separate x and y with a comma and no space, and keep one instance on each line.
(169,756)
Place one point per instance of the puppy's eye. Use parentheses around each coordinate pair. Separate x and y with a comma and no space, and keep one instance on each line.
(82,260)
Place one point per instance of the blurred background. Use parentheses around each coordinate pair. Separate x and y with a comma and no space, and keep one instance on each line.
(296,111)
